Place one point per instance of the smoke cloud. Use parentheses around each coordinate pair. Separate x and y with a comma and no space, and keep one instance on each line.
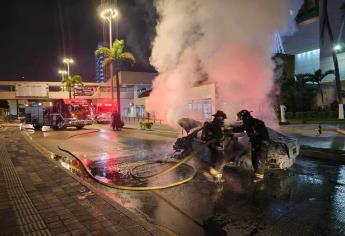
(223,42)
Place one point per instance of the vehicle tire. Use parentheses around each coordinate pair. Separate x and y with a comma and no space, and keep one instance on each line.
(60,124)
(80,126)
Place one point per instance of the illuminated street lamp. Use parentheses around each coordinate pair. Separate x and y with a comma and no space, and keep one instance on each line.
(62,73)
(108,14)
(337,47)
(68,61)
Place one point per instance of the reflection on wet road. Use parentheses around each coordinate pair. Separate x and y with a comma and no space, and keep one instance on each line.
(308,199)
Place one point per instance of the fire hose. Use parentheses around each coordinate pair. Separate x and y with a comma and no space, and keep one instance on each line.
(132,170)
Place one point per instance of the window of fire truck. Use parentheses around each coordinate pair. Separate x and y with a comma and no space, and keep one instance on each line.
(77,107)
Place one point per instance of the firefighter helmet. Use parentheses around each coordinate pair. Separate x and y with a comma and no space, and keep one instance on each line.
(244,115)
(220,114)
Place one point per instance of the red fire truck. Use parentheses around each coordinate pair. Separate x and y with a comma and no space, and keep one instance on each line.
(103,110)
(60,114)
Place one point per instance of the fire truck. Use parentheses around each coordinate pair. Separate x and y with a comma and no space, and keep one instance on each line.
(60,114)
(103,110)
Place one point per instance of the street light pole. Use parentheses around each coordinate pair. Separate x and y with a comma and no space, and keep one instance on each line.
(68,61)
(62,73)
(68,69)
(109,14)
(111,65)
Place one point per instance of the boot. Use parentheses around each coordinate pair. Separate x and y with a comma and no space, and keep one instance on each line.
(258,177)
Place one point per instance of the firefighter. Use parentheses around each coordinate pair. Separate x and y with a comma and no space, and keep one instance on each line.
(214,130)
(259,139)
(217,125)
(115,121)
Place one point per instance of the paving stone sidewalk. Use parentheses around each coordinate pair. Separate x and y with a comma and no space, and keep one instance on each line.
(37,197)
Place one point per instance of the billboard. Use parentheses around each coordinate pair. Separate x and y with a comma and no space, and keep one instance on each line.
(84,91)
(32,90)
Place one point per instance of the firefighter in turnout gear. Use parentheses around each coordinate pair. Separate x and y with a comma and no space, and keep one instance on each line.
(214,131)
(259,139)
(115,121)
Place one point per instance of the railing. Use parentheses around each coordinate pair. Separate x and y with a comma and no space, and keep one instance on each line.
(138,119)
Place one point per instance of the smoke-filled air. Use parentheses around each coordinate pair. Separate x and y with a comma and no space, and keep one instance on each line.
(223,42)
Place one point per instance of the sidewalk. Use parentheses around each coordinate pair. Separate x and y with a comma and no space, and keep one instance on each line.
(38,197)
(307,135)
(330,145)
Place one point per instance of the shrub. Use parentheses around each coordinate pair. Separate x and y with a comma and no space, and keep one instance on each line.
(290,115)
(312,115)
(146,124)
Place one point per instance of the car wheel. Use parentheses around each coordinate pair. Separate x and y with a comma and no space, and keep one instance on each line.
(80,126)
(60,124)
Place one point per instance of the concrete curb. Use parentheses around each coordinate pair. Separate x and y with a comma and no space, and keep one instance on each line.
(324,154)
(9,125)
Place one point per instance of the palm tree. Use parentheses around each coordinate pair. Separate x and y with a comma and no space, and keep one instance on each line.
(301,81)
(326,25)
(304,93)
(71,81)
(317,78)
(115,54)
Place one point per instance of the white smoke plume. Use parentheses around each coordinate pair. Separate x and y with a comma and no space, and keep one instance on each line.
(290,28)
(226,42)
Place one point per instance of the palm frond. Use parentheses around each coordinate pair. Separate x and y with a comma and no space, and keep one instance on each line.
(67,82)
(127,57)
(76,79)
(302,79)
(118,47)
(317,73)
(72,80)
(329,72)
(106,52)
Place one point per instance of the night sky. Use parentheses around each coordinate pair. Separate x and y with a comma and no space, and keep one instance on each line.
(36,34)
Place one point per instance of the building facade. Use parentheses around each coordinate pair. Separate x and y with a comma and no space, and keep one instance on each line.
(132,84)
(100,71)
(312,50)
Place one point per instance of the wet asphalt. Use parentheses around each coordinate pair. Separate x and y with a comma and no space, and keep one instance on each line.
(308,199)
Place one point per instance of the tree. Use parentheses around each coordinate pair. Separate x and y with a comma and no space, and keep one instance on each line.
(287,95)
(71,81)
(326,26)
(305,93)
(317,78)
(116,54)
(297,93)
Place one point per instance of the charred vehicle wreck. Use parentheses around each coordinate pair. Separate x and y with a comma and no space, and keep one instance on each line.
(236,148)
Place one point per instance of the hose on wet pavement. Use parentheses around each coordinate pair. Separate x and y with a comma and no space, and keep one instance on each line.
(132,171)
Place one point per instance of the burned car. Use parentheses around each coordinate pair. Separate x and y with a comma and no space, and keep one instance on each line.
(282,154)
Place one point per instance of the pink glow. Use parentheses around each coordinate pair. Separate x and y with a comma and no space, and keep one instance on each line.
(227,43)
(244,80)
